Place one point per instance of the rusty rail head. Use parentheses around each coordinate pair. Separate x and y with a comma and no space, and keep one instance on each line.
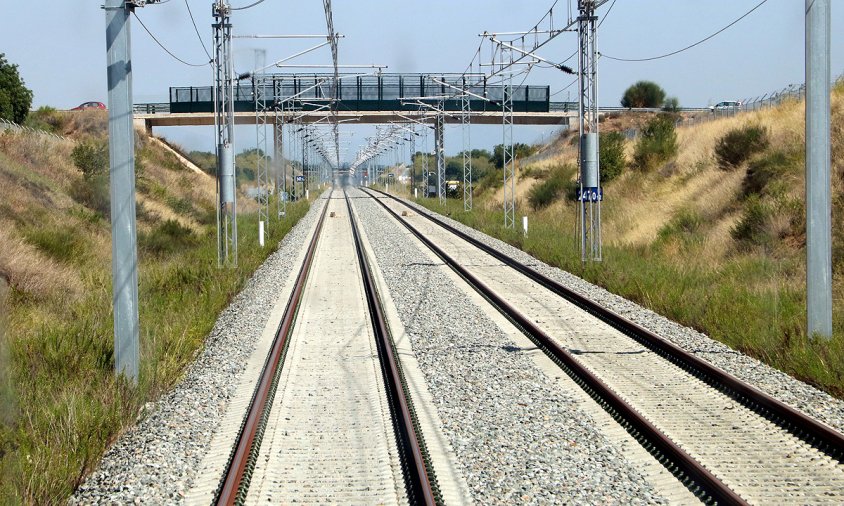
(232,482)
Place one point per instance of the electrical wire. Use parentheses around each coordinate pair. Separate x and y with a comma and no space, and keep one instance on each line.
(564,89)
(164,48)
(197,31)
(687,47)
(247,6)
(606,14)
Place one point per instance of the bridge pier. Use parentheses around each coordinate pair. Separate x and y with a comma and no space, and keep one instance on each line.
(142,124)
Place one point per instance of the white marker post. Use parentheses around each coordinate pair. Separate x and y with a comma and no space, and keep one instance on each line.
(524,224)
(416,193)
(261,233)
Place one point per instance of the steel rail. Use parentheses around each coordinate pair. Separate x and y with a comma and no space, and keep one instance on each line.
(686,466)
(416,470)
(233,486)
(810,430)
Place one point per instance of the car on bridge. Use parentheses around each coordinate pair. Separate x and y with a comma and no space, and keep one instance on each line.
(89,105)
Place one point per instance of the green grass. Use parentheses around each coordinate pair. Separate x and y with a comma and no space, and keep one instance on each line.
(59,357)
(752,302)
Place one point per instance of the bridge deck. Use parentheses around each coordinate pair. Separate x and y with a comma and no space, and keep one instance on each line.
(150,120)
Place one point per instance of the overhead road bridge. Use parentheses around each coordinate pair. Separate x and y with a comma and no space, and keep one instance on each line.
(361,98)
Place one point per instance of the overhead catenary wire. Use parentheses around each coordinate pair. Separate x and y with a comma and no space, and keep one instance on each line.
(569,85)
(247,6)
(164,48)
(687,47)
(192,20)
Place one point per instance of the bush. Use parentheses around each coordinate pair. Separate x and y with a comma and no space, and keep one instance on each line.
(739,144)
(168,237)
(611,147)
(48,119)
(685,222)
(752,229)
(91,158)
(657,143)
(764,171)
(643,94)
(542,194)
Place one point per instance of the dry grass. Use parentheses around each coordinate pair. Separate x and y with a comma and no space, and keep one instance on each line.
(28,270)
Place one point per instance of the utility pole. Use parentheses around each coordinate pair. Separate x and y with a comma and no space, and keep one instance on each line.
(589,194)
(439,148)
(465,119)
(224,131)
(261,92)
(280,163)
(818,207)
(508,156)
(121,152)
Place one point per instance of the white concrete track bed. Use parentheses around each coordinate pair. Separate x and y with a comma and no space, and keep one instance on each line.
(754,457)
(329,436)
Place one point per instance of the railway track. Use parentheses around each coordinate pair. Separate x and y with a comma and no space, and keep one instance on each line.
(329,418)
(725,440)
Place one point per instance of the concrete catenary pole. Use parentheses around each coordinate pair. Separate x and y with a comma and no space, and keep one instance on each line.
(818,208)
(121,150)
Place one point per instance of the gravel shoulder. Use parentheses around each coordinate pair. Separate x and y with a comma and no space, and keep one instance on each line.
(156,461)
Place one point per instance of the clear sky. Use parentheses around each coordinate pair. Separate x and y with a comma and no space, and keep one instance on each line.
(60,47)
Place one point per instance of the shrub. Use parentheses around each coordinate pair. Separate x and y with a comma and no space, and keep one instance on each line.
(657,143)
(48,119)
(168,237)
(752,229)
(764,171)
(91,158)
(611,147)
(643,94)
(685,222)
(542,194)
(739,144)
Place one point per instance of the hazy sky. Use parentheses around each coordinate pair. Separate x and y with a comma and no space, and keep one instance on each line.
(60,47)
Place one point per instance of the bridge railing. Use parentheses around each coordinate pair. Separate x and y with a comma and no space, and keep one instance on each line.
(386,92)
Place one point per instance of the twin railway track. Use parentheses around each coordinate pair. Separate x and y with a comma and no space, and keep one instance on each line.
(331,420)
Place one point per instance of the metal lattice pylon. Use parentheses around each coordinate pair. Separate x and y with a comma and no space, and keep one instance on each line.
(589,180)
(465,120)
(280,163)
(439,148)
(507,147)
(426,176)
(262,171)
(224,134)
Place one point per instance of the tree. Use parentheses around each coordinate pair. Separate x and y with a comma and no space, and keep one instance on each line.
(520,150)
(643,94)
(672,104)
(15,98)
